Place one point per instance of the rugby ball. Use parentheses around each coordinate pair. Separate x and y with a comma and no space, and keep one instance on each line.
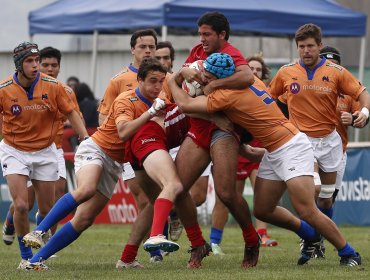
(194,88)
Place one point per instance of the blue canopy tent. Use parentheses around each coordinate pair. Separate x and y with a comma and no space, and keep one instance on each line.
(270,18)
(88,16)
(256,17)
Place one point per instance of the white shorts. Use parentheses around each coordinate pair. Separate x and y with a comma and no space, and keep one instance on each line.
(61,164)
(293,159)
(173,152)
(340,172)
(328,151)
(129,172)
(89,152)
(41,165)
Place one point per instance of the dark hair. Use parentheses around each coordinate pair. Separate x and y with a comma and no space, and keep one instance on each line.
(73,78)
(265,70)
(83,91)
(217,21)
(141,33)
(308,30)
(50,52)
(167,44)
(330,53)
(150,64)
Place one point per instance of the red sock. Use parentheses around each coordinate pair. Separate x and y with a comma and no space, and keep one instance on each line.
(262,231)
(162,208)
(250,235)
(195,235)
(129,253)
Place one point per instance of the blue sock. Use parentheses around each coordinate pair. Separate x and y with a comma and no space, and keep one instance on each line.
(39,218)
(165,230)
(65,205)
(173,215)
(62,238)
(307,232)
(216,235)
(155,253)
(327,211)
(9,218)
(347,250)
(26,252)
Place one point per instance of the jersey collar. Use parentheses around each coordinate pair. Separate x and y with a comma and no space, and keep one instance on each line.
(30,92)
(311,73)
(142,98)
(132,68)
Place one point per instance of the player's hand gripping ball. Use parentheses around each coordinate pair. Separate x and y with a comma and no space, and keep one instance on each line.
(194,88)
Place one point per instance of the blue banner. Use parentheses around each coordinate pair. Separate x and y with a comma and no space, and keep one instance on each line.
(352,205)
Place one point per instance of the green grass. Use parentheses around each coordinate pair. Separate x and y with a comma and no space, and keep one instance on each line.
(94,254)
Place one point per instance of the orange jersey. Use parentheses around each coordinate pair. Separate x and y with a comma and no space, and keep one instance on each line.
(124,81)
(312,95)
(126,107)
(345,104)
(30,120)
(254,109)
(63,118)
(166,91)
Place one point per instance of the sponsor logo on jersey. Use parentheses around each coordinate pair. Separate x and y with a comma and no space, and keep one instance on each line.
(44,96)
(6,83)
(16,109)
(132,99)
(143,141)
(295,88)
(325,79)
(47,79)
(318,88)
(35,107)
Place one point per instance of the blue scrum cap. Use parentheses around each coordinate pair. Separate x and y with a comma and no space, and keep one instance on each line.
(219,64)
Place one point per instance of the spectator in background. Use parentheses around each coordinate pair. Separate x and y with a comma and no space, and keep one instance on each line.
(165,53)
(88,104)
(73,82)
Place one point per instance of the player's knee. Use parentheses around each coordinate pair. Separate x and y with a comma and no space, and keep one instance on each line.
(21,207)
(226,196)
(84,193)
(82,221)
(327,191)
(260,213)
(198,198)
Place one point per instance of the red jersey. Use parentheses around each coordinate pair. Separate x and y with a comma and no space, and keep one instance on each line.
(312,95)
(197,53)
(200,126)
(30,119)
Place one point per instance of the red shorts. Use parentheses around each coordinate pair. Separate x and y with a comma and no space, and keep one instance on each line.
(245,168)
(149,138)
(201,132)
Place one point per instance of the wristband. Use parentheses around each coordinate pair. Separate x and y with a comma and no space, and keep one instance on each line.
(152,111)
(365,111)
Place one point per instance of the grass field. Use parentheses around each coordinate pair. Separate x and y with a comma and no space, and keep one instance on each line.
(94,254)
